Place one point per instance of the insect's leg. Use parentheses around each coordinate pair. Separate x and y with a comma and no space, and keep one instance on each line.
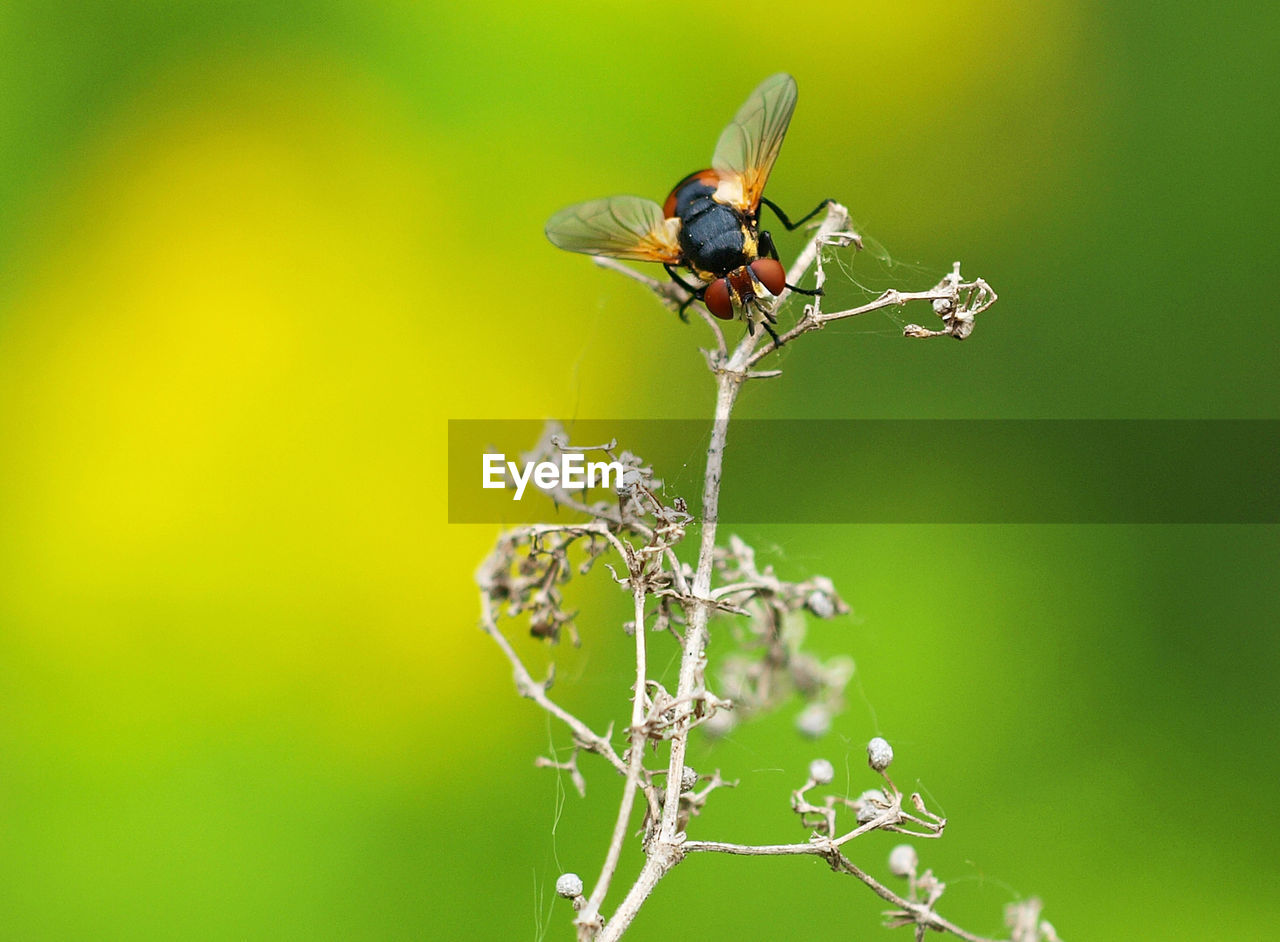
(799,222)
(675,276)
(683,309)
(695,294)
(777,341)
(767,246)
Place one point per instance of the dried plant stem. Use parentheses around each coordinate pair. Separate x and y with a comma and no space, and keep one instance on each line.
(588,920)
(537,692)
(665,851)
(693,658)
(828,850)
(815,320)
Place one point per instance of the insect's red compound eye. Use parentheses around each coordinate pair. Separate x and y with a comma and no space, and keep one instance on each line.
(717,300)
(770,273)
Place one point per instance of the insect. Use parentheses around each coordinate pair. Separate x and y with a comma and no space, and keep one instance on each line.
(710,224)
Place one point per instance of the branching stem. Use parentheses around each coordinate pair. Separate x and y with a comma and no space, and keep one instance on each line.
(655,572)
(537,692)
(729,378)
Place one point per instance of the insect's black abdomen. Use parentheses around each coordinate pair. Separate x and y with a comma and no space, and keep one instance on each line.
(712,236)
(695,186)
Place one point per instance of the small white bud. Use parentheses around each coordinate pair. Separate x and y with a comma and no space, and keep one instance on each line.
(569,885)
(821,771)
(869,805)
(688,778)
(631,479)
(903,861)
(820,604)
(879,754)
(814,720)
(719,723)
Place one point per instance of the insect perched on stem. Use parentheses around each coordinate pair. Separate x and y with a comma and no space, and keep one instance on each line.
(710,224)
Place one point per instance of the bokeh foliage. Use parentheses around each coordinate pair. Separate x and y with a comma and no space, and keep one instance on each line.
(253,255)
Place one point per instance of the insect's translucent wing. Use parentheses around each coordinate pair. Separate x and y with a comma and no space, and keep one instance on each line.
(749,146)
(619,226)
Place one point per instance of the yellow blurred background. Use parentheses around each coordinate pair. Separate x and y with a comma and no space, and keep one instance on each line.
(253,257)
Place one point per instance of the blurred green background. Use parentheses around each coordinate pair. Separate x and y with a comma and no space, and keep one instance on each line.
(253,256)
